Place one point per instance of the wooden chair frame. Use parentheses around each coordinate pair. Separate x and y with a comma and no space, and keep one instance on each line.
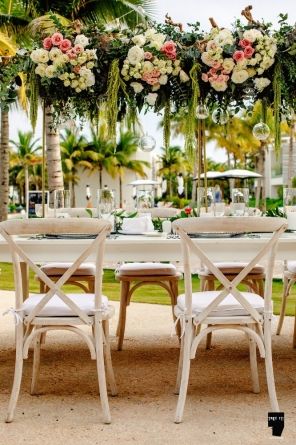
(289,281)
(32,326)
(256,326)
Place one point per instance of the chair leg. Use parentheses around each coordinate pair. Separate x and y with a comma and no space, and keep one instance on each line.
(269,367)
(253,364)
(108,359)
(209,340)
(91,287)
(287,287)
(294,335)
(180,365)
(185,372)
(125,285)
(36,364)
(18,372)
(174,295)
(260,284)
(101,369)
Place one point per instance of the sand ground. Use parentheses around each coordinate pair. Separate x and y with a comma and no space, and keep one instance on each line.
(220,408)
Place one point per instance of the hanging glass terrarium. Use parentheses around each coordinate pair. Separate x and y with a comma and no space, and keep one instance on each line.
(220,116)
(202,111)
(147,143)
(261,131)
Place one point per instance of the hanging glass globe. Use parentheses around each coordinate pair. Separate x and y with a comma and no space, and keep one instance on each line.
(202,111)
(147,143)
(220,116)
(261,131)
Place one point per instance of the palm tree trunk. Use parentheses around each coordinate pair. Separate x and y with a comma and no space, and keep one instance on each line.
(120,191)
(100,178)
(26,169)
(53,153)
(4,165)
(73,197)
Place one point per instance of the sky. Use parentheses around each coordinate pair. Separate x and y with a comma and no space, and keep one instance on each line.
(189,11)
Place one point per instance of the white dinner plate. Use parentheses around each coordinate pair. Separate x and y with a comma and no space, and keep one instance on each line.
(155,233)
(123,232)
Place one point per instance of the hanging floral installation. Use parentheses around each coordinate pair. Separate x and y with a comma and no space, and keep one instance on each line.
(161,68)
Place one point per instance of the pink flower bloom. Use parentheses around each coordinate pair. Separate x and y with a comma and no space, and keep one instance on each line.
(248,52)
(148,55)
(152,81)
(222,78)
(169,49)
(212,71)
(71,53)
(212,78)
(155,72)
(78,49)
(205,77)
(65,45)
(238,55)
(47,43)
(216,65)
(57,38)
(244,43)
(76,69)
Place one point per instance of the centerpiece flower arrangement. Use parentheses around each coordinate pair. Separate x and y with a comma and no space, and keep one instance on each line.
(151,63)
(237,58)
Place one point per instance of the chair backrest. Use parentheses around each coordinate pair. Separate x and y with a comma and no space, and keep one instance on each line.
(100,228)
(186,226)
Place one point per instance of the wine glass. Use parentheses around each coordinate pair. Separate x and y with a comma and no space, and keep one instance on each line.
(240,201)
(105,203)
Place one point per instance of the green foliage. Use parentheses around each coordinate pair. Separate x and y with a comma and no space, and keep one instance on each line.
(112,98)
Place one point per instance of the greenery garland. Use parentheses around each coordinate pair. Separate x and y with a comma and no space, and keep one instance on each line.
(112,98)
(277,80)
(167,125)
(34,96)
(191,117)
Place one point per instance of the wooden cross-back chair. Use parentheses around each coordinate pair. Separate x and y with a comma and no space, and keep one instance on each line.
(227,308)
(56,310)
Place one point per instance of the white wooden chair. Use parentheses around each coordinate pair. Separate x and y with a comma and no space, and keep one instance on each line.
(289,281)
(55,310)
(227,308)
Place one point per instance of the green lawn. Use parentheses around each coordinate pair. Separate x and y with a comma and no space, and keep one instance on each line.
(148,294)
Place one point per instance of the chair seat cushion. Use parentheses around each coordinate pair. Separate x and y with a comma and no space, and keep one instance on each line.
(233,268)
(53,269)
(57,308)
(291,266)
(227,308)
(139,269)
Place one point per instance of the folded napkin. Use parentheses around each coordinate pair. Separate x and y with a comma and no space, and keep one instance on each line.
(138,225)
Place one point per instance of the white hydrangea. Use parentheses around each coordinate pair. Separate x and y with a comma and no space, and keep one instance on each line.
(137,86)
(239,76)
(135,55)
(139,40)
(261,83)
(151,98)
(81,39)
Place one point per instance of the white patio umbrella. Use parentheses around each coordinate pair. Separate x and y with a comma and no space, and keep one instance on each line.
(238,173)
(139,182)
(210,175)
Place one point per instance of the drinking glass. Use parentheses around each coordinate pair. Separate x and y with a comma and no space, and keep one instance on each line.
(105,203)
(61,200)
(144,199)
(219,208)
(205,201)
(240,201)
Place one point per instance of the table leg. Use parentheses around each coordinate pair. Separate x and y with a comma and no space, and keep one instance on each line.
(25,279)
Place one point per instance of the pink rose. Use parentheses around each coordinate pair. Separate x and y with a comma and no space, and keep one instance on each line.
(78,49)
(47,43)
(152,81)
(216,65)
(212,71)
(238,55)
(155,72)
(57,38)
(148,55)
(71,53)
(65,45)
(213,77)
(76,69)
(169,49)
(205,77)
(248,52)
(244,43)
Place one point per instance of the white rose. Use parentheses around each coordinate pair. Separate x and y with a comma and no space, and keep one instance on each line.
(150,32)
(228,65)
(81,39)
(139,40)
(138,87)
(41,69)
(50,71)
(40,56)
(151,98)
(147,66)
(219,86)
(54,53)
(163,79)
(59,61)
(261,83)
(135,55)
(184,77)
(157,40)
(224,37)
(252,35)
(207,59)
(239,76)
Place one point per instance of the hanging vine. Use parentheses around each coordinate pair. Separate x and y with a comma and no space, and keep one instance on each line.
(190,122)
(167,125)
(277,106)
(34,96)
(112,98)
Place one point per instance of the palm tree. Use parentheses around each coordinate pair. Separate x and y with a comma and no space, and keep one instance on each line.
(172,162)
(73,156)
(125,148)
(25,156)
